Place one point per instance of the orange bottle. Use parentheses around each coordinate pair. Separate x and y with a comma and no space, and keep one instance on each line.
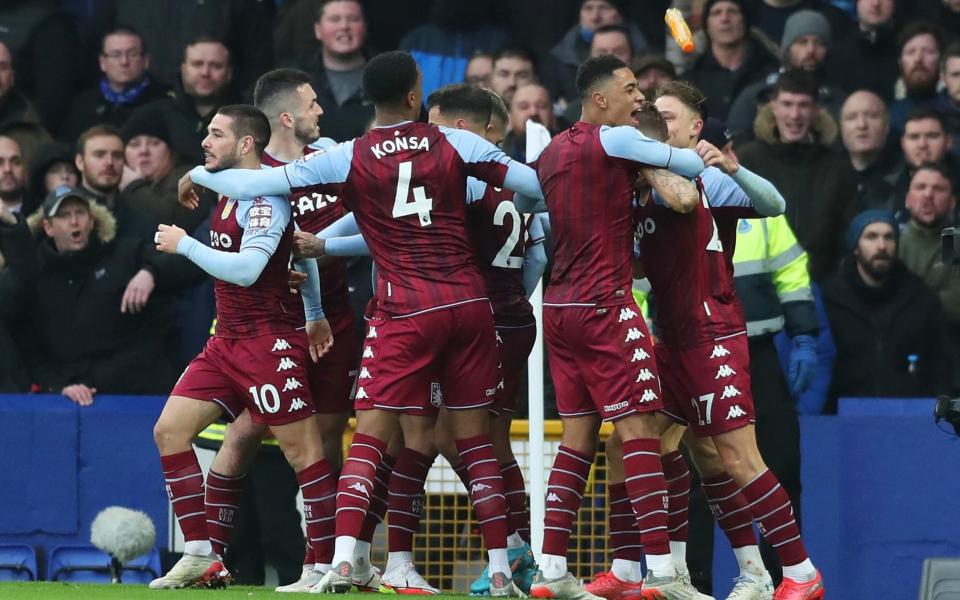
(679,29)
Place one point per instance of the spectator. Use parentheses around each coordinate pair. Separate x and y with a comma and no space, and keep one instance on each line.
(574,48)
(920,47)
(652,71)
(866,59)
(609,39)
(931,202)
(887,325)
(924,140)
(336,69)
(864,127)
(18,119)
(512,68)
(293,36)
(13,177)
(770,16)
(948,101)
(125,85)
(480,70)
(806,43)
(154,170)
(531,101)
(733,59)
(45,46)
(99,321)
(456,30)
(168,26)
(52,166)
(205,76)
(16,266)
(100,162)
(794,150)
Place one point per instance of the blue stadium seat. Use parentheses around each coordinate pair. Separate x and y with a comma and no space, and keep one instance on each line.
(941,579)
(86,564)
(18,562)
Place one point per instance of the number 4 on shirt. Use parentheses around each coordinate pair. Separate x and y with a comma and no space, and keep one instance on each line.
(421,205)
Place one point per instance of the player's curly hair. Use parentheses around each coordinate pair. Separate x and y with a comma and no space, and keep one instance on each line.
(389,77)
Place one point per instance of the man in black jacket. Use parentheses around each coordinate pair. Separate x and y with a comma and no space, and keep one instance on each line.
(16,267)
(887,325)
(88,334)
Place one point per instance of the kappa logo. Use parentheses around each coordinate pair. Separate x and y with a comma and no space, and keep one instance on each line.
(371,332)
(735,411)
(626,314)
(729,392)
(645,375)
(368,352)
(719,351)
(499,339)
(364,373)
(616,407)
(553,497)
(361,394)
(479,487)
(639,354)
(725,371)
(648,396)
(280,345)
(286,364)
(360,488)
(633,334)
(292,384)
(436,394)
(297,404)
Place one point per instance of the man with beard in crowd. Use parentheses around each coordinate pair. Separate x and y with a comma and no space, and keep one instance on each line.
(921,44)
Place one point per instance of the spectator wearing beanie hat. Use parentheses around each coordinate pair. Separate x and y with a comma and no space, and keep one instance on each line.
(733,58)
(52,166)
(806,45)
(151,171)
(887,325)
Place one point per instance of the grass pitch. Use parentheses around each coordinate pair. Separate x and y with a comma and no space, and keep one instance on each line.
(71,591)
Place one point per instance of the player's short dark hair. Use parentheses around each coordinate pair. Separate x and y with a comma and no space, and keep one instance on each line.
(389,77)
(922,113)
(937,168)
(688,94)
(102,130)
(498,108)
(248,120)
(650,122)
(276,85)
(796,81)
(123,29)
(921,27)
(616,29)
(462,100)
(594,71)
(516,52)
(205,38)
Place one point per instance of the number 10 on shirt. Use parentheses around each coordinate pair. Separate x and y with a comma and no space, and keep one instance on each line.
(421,205)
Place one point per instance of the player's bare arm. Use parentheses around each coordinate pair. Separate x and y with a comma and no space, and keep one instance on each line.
(167,238)
(307,245)
(320,337)
(712,156)
(679,193)
(187,193)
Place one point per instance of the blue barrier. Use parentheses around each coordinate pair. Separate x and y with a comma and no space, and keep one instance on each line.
(880,486)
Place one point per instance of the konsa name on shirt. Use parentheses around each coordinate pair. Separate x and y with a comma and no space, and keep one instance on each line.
(397,145)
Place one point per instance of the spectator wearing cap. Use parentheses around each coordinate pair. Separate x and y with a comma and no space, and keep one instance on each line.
(770,17)
(125,85)
(652,71)
(574,48)
(805,45)
(151,170)
(866,58)
(101,322)
(921,45)
(52,166)
(864,128)
(887,325)
(794,150)
(17,268)
(733,59)
(18,118)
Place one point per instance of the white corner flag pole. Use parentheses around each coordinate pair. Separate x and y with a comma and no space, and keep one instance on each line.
(538,137)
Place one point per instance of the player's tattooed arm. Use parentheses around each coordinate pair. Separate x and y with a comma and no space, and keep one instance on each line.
(679,193)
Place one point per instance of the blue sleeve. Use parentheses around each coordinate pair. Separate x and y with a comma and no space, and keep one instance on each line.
(765,196)
(534,262)
(537,229)
(522,179)
(264,222)
(243,183)
(344,226)
(722,190)
(310,290)
(475,189)
(353,245)
(331,166)
(526,204)
(628,143)
(486,162)
(322,143)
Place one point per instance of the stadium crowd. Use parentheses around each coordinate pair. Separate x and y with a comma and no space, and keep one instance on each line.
(850,108)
